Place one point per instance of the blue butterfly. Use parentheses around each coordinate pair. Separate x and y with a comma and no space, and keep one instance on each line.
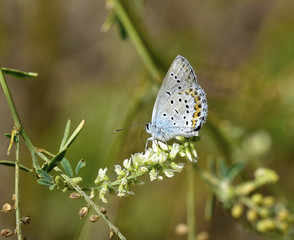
(181,106)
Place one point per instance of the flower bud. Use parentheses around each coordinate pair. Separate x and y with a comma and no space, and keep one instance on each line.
(283,214)
(174,151)
(268,201)
(257,198)
(163,146)
(237,210)
(265,225)
(251,215)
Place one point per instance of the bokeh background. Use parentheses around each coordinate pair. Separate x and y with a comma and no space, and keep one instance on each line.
(242,53)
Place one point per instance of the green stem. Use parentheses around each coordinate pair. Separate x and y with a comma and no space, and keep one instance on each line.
(17,195)
(141,45)
(10,101)
(16,120)
(190,203)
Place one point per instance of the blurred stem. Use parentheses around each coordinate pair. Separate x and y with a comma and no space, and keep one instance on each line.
(190,203)
(17,195)
(16,120)
(140,43)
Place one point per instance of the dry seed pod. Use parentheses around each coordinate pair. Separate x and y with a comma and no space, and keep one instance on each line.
(102,210)
(74,195)
(6,208)
(83,212)
(6,232)
(94,218)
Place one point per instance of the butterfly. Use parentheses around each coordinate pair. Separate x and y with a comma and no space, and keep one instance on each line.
(181,106)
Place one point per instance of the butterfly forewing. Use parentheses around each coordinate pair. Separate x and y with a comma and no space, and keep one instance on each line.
(180,108)
(179,77)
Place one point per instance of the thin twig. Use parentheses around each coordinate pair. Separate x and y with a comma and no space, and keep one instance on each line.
(16,120)
(190,202)
(17,194)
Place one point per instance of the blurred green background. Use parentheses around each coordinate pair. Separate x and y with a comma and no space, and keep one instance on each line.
(242,53)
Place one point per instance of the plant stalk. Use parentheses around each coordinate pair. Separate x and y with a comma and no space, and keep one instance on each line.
(17,194)
(190,202)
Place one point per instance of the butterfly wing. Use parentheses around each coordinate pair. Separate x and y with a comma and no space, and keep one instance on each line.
(181,106)
(179,76)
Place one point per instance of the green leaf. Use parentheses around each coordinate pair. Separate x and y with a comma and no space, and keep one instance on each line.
(18,73)
(122,30)
(8,135)
(79,166)
(43,181)
(52,187)
(65,135)
(55,161)
(222,168)
(12,164)
(235,170)
(45,176)
(74,135)
(67,167)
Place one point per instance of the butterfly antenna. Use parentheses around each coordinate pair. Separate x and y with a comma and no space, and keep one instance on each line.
(133,125)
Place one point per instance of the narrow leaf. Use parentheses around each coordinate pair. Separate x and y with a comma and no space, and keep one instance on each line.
(65,135)
(122,30)
(43,181)
(222,168)
(74,135)
(55,161)
(12,164)
(67,167)
(18,73)
(79,166)
(235,170)
(45,176)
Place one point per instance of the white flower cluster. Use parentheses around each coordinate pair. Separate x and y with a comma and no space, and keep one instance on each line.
(157,161)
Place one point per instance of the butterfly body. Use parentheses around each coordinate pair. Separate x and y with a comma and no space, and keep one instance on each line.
(180,108)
